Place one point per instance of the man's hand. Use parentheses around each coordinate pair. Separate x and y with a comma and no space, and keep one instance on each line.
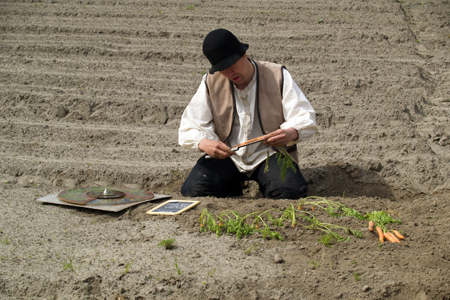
(215,149)
(280,137)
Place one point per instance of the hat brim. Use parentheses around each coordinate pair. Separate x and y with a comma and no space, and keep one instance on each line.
(229,61)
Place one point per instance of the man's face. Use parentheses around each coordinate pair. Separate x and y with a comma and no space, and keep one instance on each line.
(238,72)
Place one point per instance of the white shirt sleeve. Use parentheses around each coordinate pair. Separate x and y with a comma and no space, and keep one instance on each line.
(297,110)
(197,120)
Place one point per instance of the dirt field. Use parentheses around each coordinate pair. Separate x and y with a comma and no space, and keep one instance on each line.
(92,92)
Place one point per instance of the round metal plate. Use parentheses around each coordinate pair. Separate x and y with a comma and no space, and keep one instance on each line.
(82,196)
(107,195)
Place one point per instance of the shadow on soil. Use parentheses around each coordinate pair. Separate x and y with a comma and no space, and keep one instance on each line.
(346,180)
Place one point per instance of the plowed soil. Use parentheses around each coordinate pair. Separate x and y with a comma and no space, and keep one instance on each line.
(92,92)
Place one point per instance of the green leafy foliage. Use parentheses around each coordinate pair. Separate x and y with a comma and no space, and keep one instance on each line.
(327,239)
(177,267)
(265,223)
(231,222)
(128,267)
(68,264)
(266,167)
(290,214)
(333,208)
(169,244)
(381,218)
(279,222)
(285,161)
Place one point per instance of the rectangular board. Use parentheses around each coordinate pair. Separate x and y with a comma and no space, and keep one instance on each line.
(172,207)
(53,199)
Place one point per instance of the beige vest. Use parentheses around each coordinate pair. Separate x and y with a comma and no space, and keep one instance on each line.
(269,88)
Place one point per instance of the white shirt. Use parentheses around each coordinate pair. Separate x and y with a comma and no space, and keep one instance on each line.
(197,121)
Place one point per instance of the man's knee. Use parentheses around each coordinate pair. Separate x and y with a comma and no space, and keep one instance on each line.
(206,188)
(289,192)
(189,191)
(197,188)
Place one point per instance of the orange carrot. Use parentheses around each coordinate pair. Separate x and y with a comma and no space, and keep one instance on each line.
(312,208)
(397,234)
(390,237)
(371,225)
(380,233)
(249,142)
(395,238)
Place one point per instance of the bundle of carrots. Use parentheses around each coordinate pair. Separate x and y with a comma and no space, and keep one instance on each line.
(393,236)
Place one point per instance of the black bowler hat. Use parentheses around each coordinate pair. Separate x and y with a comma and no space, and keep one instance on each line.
(222,49)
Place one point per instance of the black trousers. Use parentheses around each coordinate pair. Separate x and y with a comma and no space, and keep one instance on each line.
(220,178)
